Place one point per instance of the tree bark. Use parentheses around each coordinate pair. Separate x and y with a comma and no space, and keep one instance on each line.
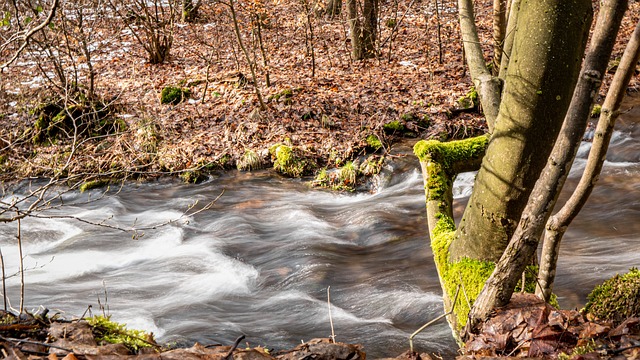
(547,189)
(363,31)
(508,38)
(541,77)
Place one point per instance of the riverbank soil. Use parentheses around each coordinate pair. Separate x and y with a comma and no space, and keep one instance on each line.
(329,108)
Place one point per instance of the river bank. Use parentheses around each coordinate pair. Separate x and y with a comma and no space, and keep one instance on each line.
(327,118)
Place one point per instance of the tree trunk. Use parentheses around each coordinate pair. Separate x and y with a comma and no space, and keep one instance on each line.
(489,88)
(189,10)
(499,28)
(558,224)
(544,66)
(333,8)
(363,31)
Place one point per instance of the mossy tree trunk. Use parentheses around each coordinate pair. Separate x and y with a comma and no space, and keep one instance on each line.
(544,66)
(545,53)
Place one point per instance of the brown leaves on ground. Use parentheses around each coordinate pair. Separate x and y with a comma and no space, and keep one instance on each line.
(75,340)
(528,327)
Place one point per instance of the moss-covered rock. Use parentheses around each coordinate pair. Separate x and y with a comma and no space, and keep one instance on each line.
(174,95)
(470,100)
(93,184)
(393,127)
(59,119)
(616,299)
(289,161)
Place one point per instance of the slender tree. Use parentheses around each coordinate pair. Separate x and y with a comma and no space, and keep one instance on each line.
(542,89)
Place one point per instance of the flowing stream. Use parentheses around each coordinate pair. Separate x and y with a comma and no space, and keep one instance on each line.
(259,262)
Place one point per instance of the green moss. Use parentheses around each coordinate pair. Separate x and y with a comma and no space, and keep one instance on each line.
(470,100)
(174,95)
(424,122)
(112,332)
(616,299)
(193,176)
(392,127)
(597,109)
(289,161)
(440,158)
(468,273)
(374,142)
(93,184)
(391,23)
(285,96)
(55,119)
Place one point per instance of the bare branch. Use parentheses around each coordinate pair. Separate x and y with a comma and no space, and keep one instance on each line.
(30,33)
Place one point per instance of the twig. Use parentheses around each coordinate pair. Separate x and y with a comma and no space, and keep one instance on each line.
(333,335)
(23,341)
(235,346)
(455,299)
(29,34)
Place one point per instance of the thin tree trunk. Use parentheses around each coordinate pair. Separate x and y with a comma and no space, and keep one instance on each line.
(558,224)
(499,27)
(333,8)
(254,78)
(355,28)
(510,34)
(438,32)
(487,86)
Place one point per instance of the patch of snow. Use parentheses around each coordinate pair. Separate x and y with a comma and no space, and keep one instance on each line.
(407,63)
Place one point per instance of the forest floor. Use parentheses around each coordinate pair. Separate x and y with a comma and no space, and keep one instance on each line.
(319,102)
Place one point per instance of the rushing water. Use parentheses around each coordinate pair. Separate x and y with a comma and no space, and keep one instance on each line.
(259,262)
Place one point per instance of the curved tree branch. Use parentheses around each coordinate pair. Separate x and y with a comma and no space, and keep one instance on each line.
(30,33)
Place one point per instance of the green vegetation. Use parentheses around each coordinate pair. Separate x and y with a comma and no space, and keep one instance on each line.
(288,162)
(59,119)
(441,157)
(108,331)
(372,165)
(93,184)
(470,100)
(347,175)
(285,96)
(616,299)
(597,109)
(373,141)
(589,347)
(468,273)
(391,23)
(393,127)
(174,95)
